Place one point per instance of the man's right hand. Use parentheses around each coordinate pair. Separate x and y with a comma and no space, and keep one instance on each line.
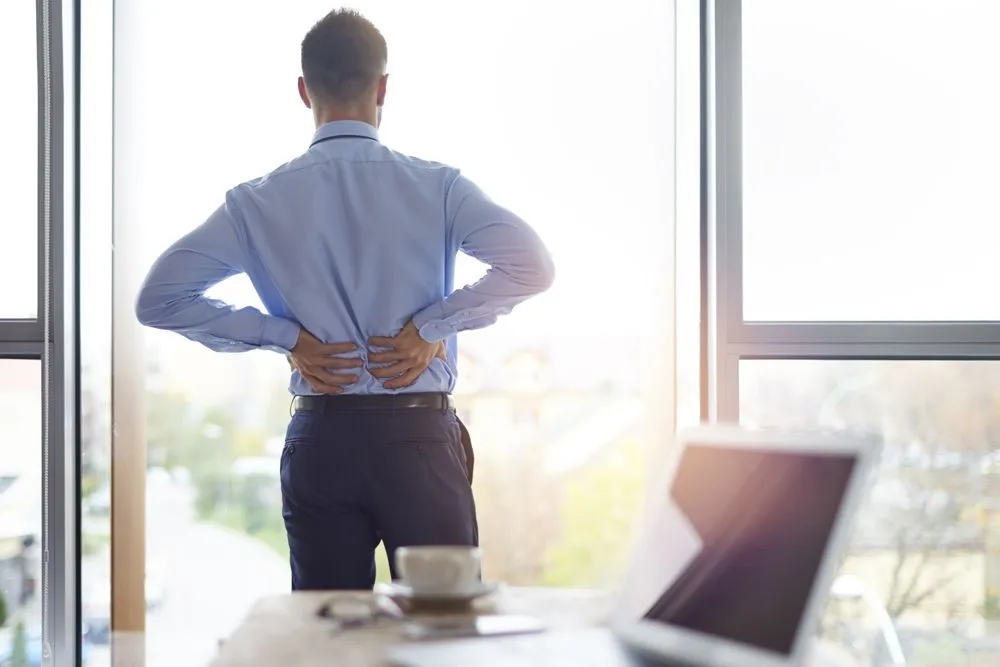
(320,365)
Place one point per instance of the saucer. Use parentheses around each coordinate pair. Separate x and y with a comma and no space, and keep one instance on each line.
(409,599)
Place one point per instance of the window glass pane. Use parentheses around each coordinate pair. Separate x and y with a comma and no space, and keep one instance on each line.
(869,160)
(561,439)
(20,510)
(925,554)
(18,161)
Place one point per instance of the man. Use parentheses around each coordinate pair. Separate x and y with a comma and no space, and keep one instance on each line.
(351,247)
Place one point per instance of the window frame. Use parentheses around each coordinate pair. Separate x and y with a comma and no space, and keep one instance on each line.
(729,337)
(52,336)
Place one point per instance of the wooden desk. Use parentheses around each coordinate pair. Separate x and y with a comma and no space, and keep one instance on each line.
(284,630)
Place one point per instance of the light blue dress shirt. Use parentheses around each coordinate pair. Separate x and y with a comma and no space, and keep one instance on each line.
(349,240)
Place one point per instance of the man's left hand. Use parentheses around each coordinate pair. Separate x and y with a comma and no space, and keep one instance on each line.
(408,355)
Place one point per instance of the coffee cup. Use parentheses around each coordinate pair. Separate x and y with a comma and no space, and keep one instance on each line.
(439,570)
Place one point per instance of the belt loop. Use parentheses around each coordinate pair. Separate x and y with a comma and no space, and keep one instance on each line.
(291,407)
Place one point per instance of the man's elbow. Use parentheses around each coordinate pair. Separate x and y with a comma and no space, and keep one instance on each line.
(148,309)
(543,273)
(548,273)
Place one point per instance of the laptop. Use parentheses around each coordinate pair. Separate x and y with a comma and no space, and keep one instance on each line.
(732,566)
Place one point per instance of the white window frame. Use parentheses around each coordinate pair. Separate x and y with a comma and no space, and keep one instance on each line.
(730,338)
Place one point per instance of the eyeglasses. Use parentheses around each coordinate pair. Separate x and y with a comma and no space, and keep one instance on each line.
(352,614)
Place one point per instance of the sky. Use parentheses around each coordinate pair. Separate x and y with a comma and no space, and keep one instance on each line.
(859,151)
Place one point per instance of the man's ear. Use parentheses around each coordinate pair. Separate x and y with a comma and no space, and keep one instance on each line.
(304,93)
(383,83)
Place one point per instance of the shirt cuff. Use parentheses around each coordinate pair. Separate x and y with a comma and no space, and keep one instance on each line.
(430,323)
(279,334)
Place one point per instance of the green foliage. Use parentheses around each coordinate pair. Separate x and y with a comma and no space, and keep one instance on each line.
(171,426)
(600,510)
(91,544)
(992,608)
(90,483)
(256,495)
(3,610)
(19,648)
(943,650)
(270,531)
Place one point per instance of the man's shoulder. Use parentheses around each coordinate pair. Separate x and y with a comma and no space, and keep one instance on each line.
(304,162)
(417,164)
(293,166)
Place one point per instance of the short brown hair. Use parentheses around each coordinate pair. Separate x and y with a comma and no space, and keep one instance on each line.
(343,56)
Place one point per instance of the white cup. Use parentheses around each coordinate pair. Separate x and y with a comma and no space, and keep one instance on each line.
(446,570)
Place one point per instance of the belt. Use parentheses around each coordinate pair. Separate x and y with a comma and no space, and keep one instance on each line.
(373,402)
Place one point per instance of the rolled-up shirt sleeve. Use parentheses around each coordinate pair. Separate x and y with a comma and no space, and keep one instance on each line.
(172,297)
(520,265)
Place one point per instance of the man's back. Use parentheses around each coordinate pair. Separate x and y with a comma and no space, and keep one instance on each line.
(350,239)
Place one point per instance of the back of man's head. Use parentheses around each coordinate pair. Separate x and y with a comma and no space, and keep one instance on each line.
(343,58)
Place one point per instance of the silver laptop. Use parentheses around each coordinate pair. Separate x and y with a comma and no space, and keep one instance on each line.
(732,566)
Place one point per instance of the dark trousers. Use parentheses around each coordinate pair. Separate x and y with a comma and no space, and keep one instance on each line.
(350,478)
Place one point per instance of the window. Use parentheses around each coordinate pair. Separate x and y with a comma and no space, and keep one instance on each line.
(551,512)
(18,167)
(20,508)
(869,144)
(925,546)
(850,289)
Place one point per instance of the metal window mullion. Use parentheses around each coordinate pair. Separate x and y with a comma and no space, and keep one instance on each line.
(728,167)
(722,181)
(58,217)
(925,351)
(21,331)
(941,333)
(21,350)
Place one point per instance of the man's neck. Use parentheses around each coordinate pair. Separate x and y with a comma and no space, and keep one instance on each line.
(324,116)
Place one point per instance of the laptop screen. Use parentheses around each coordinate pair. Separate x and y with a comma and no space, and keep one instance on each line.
(763,519)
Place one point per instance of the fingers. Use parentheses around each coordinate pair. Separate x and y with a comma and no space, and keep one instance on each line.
(325,361)
(327,349)
(382,341)
(391,371)
(319,385)
(321,378)
(386,357)
(404,380)
(339,363)
(333,378)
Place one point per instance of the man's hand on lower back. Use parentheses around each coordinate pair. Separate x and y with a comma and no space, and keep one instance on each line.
(320,365)
(406,356)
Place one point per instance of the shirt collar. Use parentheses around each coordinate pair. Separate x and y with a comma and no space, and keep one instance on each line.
(345,128)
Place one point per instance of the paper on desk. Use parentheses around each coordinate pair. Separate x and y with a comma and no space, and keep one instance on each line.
(667,544)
